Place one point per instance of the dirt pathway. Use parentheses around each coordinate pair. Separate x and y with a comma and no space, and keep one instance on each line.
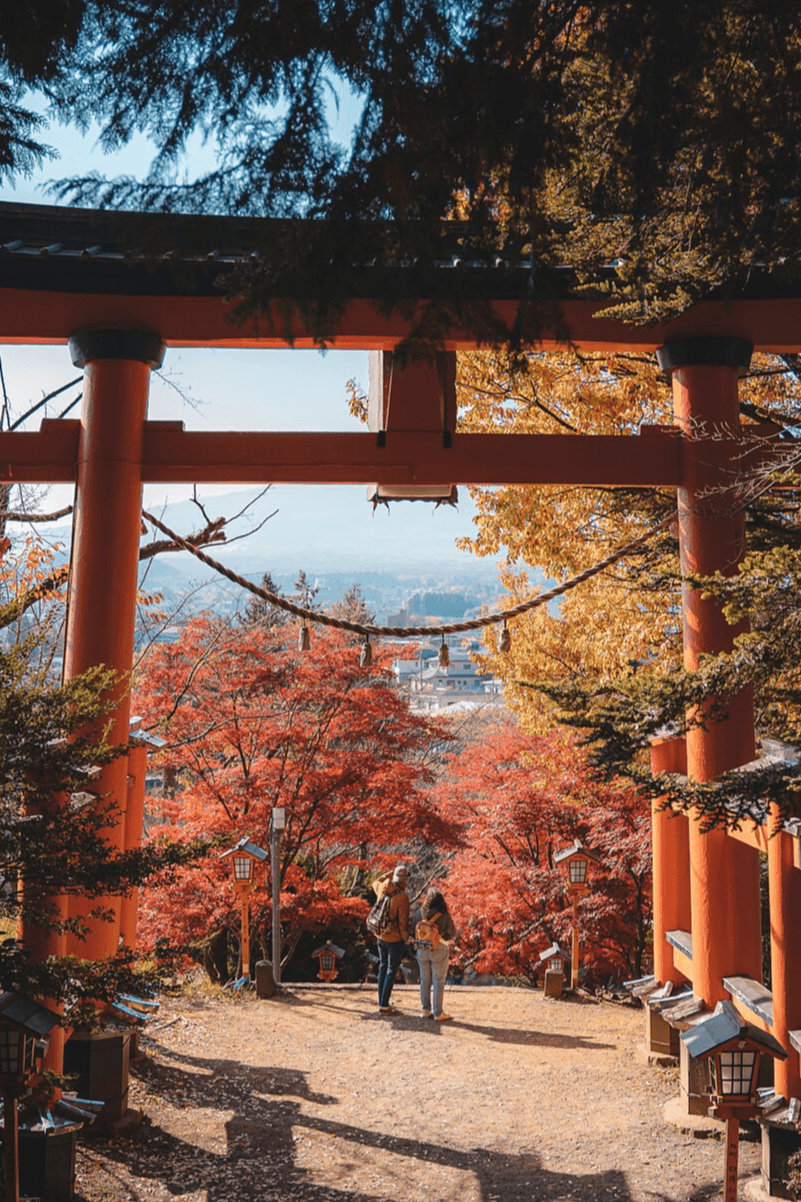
(313,1097)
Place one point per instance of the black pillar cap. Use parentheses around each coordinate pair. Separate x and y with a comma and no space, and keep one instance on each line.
(142,346)
(713,351)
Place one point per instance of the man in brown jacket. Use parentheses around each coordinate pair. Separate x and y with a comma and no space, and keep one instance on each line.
(392,941)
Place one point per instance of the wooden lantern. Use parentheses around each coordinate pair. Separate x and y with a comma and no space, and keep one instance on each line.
(734,1049)
(554,958)
(574,862)
(327,957)
(25,1028)
(243,858)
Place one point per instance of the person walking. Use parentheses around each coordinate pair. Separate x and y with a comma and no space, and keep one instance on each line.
(392,940)
(433,935)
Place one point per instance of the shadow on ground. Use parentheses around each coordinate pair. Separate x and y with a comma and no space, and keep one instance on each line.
(260,1159)
(409,1020)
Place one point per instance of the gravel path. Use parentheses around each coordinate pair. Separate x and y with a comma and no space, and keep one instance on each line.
(312,1096)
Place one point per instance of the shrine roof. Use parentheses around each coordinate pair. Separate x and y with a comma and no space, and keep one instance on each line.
(67,269)
(50,246)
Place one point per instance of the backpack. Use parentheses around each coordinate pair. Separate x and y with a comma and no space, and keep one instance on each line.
(427,933)
(379,920)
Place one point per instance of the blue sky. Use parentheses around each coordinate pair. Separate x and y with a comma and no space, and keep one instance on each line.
(233,390)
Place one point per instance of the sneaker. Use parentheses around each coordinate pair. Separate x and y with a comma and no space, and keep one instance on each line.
(443,1018)
(388,1010)
(426,1014)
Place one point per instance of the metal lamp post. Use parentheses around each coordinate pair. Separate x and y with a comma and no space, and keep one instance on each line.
(734,1048)
(278,827)
(575,861)
(243,858)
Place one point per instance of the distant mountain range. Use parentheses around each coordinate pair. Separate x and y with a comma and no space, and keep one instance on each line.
(334,537)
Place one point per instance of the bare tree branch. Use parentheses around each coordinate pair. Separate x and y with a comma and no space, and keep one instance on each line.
(33,408)
(212,532)
(14,515)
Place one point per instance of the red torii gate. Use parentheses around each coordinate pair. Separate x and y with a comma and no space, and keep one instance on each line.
(68,276)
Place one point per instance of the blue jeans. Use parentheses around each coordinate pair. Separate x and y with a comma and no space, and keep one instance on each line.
(389,958)
(433,969)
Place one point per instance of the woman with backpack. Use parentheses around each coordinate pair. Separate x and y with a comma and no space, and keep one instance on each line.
(432,936)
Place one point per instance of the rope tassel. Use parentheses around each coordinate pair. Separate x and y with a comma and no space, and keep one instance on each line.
(444,654)
(304,638)
(366,657)
(505,642)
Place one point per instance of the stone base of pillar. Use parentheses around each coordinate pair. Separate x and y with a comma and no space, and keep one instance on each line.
(47,1165)
(101,1060)
(779,1142)
(698,1126)
(661,1040)
(265,979)
(693,1082)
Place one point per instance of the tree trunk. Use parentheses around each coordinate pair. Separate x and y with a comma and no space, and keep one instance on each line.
(215,957)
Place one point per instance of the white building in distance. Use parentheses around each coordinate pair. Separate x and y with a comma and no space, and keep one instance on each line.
(459,685)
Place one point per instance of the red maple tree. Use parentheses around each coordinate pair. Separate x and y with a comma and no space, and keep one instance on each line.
(252,723)
(516,801)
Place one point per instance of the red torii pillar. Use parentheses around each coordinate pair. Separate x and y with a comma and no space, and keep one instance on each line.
(784,884)
(134,817)
(724,873)
(105,551)
(671,862)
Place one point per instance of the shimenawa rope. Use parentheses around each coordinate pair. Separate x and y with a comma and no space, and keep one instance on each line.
(406,632)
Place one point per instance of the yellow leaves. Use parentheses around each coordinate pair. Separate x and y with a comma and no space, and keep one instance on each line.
(602,625)
(629,614)
(149,599)
(31,567)
(150,605)
(356,399)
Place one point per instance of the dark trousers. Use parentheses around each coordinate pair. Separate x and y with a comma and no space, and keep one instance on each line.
(389,958)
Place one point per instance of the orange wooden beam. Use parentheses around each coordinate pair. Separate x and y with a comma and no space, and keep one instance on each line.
(172,454)
(28,316)
(410,458)
(44,456)
(751,836)
(682,965)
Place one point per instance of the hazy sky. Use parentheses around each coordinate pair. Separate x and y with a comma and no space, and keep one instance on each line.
(233,390)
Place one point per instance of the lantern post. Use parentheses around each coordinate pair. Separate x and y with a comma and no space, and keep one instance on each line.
(243,858)
(733,1048)
(574,861)
(278,827)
